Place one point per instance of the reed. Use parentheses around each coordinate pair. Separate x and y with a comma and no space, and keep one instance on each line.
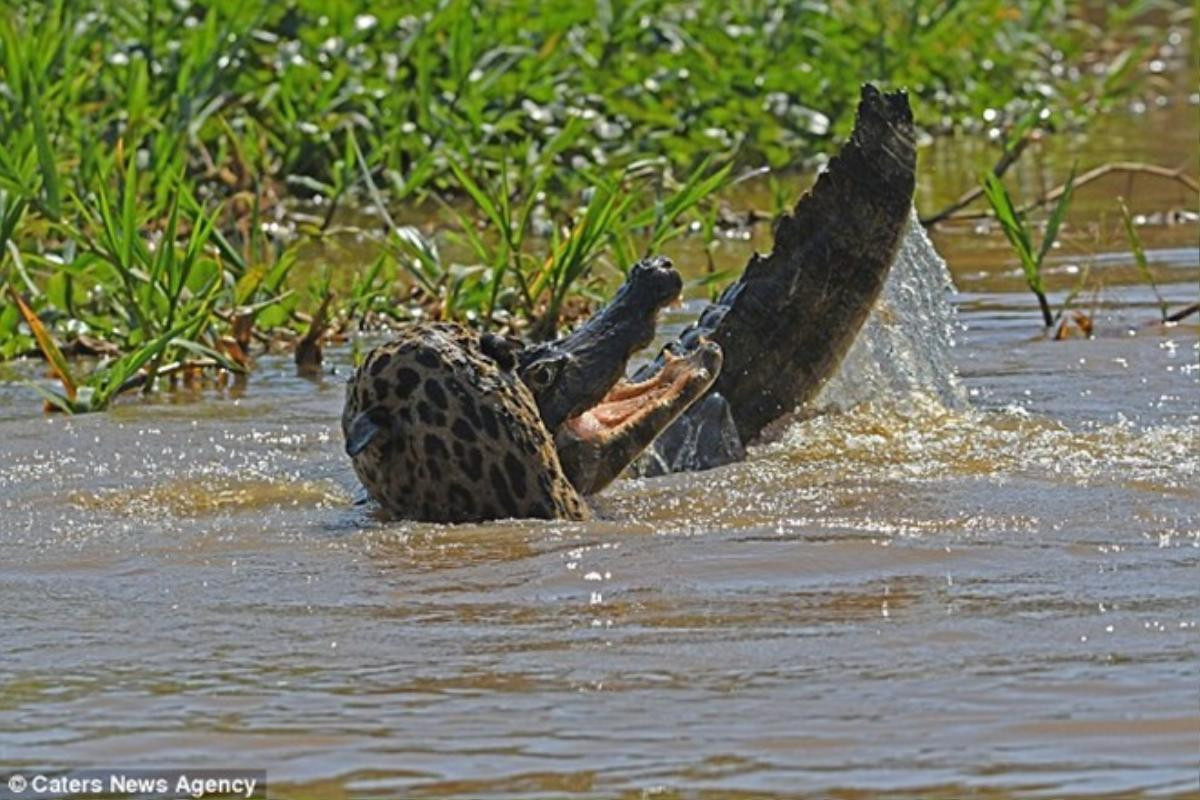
(1019,234)
(1139,258)
(159,160)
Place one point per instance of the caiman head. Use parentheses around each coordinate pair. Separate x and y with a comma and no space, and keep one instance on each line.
(600,421)
(571,374)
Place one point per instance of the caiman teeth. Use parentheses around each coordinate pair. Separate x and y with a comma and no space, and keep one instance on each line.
(628,401)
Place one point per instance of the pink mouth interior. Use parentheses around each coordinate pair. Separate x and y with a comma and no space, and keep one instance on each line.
(627,402)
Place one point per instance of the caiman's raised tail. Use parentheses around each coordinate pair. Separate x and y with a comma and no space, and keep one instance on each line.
(786,324)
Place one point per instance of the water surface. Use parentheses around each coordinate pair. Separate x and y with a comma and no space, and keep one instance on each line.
(975,575)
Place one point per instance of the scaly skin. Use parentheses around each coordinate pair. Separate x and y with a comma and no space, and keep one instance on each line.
(572,374)
(786,324)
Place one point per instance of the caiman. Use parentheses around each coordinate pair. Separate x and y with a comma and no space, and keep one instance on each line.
(444,424)
(786,324)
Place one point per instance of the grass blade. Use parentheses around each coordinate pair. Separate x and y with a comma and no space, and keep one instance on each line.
(45,153)
(1139,257)
(45,342)
(1056,218)
(1018,236)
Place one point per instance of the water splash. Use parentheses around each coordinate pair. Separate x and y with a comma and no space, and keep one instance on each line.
(904,347)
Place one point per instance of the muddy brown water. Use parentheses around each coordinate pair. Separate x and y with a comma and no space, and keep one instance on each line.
(983,585)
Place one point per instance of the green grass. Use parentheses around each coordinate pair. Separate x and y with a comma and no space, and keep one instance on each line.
(1140,260)
(1020,235)
(153,151)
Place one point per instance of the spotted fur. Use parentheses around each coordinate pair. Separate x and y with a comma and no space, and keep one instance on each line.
(459,435)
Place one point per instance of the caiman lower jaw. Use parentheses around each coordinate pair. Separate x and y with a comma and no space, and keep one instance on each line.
(596,446)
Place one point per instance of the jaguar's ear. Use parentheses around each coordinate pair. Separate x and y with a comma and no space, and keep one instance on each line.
(502,351)
(363,429)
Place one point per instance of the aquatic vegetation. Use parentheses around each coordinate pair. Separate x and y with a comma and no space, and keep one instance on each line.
(1014,221)
(1018,232)
(1139,258)
(166,163)
(149,295)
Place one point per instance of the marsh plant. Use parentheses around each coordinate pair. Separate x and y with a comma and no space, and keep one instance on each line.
(166,168)
(1140,260)
(1019,233)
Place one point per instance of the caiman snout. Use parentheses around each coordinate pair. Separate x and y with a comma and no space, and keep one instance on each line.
(654,282)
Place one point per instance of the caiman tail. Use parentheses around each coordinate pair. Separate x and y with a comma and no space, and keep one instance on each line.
(786,324)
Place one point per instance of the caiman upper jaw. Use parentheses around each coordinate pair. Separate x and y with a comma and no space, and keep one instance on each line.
(657,280)
(597,445)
